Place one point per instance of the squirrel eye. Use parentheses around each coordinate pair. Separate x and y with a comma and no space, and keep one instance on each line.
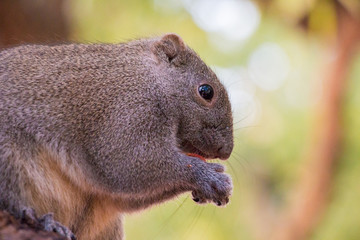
(206,92)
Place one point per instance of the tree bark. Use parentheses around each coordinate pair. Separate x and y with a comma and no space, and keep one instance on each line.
(36,21)
(306,209)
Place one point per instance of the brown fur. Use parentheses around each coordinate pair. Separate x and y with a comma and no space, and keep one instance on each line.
(52,191)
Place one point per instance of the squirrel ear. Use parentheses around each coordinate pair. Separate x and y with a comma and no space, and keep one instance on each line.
(169,46)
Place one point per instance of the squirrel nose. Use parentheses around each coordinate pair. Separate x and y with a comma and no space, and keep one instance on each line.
(224,152)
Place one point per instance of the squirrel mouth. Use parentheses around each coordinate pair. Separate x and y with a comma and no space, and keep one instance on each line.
(192,151)
(196,155)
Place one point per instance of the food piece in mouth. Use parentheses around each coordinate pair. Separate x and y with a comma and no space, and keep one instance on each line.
(197,156)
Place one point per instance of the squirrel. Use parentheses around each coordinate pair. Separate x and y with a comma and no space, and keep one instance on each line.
(89,132)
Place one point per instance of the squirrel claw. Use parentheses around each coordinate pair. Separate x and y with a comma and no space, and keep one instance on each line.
(28,215)
(49,224)
(212,185)
(197,198)
(47,221)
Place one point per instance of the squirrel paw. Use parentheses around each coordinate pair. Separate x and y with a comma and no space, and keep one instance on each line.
(47,222)
(213,185)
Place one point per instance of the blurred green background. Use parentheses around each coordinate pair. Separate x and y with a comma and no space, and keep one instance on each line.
(292,69)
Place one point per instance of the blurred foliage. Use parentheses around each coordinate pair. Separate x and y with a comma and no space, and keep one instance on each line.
(269,152)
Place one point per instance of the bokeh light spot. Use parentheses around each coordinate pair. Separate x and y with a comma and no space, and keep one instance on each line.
(269,66)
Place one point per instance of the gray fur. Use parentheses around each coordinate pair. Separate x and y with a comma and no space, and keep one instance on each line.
(115,122)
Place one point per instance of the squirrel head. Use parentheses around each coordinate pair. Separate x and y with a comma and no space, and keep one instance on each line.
(194,96)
